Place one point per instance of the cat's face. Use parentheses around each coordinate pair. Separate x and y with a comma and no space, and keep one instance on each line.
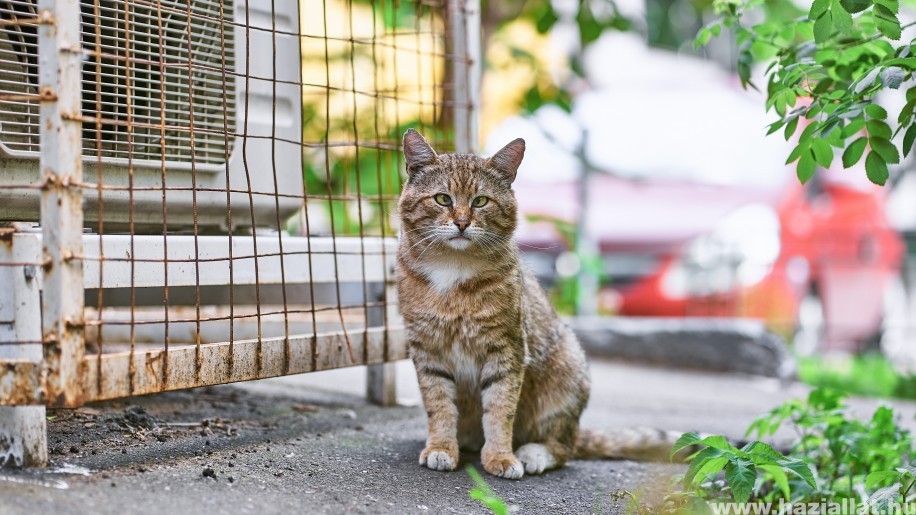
(458,202)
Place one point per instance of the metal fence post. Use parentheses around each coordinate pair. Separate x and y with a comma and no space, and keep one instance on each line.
(23,435)
(60,76)
(381,379)
(464,16)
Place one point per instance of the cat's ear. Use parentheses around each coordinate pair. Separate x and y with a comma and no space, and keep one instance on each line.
(417,152)
(508,159)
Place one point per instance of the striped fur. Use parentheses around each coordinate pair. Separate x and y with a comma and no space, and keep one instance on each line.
(498,371)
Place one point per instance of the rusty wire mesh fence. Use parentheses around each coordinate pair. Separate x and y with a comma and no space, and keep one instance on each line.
(196,192)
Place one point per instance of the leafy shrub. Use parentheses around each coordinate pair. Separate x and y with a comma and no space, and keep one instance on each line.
(834,457)
(869,374)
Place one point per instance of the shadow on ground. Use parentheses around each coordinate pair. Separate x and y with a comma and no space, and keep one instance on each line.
(310,444)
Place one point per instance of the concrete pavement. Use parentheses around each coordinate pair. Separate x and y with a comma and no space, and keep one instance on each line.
(311,444)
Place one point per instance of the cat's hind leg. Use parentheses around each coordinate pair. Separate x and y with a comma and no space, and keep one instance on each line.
(536,458)
(550,443)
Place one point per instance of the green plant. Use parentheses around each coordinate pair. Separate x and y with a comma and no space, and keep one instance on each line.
(869,374)
(742,468)
(484,493)
(824,74)
(833,457)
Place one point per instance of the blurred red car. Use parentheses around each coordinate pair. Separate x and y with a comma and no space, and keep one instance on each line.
(819,263)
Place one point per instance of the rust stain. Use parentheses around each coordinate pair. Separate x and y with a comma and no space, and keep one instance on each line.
(6,236)
(25,388)
(47,94)
(45,17)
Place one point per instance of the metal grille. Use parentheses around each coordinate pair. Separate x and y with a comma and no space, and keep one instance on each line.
(280,261)
(18,76)
(144,66)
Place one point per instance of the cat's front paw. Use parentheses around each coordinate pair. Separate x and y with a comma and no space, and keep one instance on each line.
(439,458)
(504,465)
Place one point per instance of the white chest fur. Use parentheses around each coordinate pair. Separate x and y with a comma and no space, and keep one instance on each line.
(445,272)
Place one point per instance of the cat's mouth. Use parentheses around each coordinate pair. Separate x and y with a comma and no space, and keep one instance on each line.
(459,242)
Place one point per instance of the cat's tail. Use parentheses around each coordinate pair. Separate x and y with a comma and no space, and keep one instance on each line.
(640,443)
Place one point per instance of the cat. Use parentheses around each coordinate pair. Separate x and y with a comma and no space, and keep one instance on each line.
(499,372)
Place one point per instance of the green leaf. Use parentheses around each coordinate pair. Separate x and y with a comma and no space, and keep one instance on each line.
(741,475)
(779,477)
(878,129)
(805,168)
(879,477)
(876,169)
(717,442)
(775,126)
(762,450)
(684,441)
(704,469)
(875,111)
(702,38)
(823,152)
(546,17)
(906,114)
(790,128)
(796,152)
(484,493)
(706,462)
(808,132)
(891,5)
(854,152)
(823,28)
(886,21)
(803,470)
(855,6)
(908,140)
(842,20)
(853,128)
(866,81)
(835,138)
(818,7)
(885,149)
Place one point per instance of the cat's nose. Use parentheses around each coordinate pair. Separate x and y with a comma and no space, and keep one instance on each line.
(462,223)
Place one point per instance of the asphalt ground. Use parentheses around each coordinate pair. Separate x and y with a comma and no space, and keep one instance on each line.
(312,444)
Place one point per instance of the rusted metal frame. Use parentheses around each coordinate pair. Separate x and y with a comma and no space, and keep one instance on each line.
(254,233)
(273,161)
(60,75)
(464,21)
(381,380)
(215,367)
(327,170)
(23,426)
(21,384)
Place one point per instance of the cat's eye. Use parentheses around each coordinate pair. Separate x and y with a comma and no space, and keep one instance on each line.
(479,201)
(442,199)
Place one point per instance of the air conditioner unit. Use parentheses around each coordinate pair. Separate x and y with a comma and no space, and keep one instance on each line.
(187,65)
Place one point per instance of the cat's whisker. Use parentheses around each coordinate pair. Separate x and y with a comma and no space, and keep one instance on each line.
(425,238)
(424,250)
(411,231)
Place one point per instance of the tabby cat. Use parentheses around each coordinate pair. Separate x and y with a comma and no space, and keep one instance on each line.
(498,371)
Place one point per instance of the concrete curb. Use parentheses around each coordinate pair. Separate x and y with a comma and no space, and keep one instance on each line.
(717,344)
